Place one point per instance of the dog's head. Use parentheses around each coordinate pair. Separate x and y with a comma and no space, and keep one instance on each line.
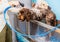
(21,14)
(51,18)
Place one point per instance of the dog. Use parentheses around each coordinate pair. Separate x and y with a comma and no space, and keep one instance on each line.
(32,14)
(37,14)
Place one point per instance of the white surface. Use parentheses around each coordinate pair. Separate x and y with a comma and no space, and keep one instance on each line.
(2,22)
(3,5)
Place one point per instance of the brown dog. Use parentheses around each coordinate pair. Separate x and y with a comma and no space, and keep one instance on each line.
(27,14)
(33,14)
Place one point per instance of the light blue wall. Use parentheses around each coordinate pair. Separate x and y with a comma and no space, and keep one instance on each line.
(34,1)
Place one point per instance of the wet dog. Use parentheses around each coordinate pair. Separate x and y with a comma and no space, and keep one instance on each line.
(38,14)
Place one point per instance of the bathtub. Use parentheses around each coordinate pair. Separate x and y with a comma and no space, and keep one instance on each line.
(33,28)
